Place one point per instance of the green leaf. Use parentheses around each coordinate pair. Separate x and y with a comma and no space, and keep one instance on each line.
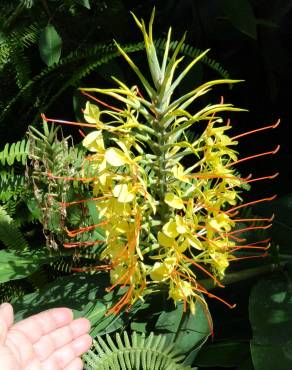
(50,45)
(270,312)
(241,16)
(188,331)
(74,291)
(14,266)
(84,3)
(224,354)
(84,294)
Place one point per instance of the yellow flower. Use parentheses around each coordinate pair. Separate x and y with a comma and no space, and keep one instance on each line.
(174,201)
(221,222)
(162,270)
(180,291)
(219,263)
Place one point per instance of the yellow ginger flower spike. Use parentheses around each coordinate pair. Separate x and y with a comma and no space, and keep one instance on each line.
(163,220)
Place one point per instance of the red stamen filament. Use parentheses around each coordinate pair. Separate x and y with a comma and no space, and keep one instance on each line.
(261,241)
(204,270)
(254,156)
(72,123)
(246,229)
(90,268)
(67,204)
(238,247)
(122,302)
(203,290)
(249,257)
(250,203)
(263,178)
(78,244)
(73,233)
(100,101)
(81,133)
(275,125)
(254,219)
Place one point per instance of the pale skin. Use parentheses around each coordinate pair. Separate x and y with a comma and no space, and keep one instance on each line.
(50,340)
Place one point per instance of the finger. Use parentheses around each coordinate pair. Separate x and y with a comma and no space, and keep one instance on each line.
(6,320)
(76,364)
(43,323)
(67,354)
(60,337)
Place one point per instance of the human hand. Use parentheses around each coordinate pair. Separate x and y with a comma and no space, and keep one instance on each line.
(50,340)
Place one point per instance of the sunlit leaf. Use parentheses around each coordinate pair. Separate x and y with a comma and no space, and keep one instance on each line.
(15,265)
(187,330)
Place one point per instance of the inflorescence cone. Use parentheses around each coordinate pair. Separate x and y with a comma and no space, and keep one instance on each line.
(167,202)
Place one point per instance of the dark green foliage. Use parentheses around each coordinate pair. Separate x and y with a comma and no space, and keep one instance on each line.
(10,234)
(252,39)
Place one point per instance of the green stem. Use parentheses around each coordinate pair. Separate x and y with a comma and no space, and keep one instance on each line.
(235,277)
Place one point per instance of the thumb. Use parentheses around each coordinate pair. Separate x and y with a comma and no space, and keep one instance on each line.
(6,320)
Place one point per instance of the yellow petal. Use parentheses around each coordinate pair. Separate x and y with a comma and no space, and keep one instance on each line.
(166,241)
(161,271)
(158,272)
(181,225)
(91,113)
(180,291)
(183,246)
(116,157)
(169,229)
(173,201)
(121,191)
(94,141)
(194,242)
(221,222)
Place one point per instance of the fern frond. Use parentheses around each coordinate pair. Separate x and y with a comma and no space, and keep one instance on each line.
(137,353)
(21,67)
(10,235)
(12,186)
(19,39)
(15,152)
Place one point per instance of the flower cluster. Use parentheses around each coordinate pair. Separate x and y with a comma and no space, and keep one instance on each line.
(167,201)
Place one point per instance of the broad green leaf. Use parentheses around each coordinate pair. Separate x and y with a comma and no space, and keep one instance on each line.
(241,16)
(270,312)
(50,45)
(85,295)
(74,291)
(224,354)
(188,331)
(14,266)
